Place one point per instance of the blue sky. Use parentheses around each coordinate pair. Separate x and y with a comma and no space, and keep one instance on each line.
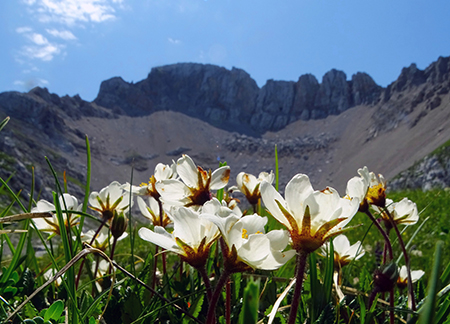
(70,46)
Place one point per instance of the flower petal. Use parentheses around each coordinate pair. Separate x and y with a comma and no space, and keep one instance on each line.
(296,192)
(269,196)
(161,238)
(187,170)
(173,192)
(220,178)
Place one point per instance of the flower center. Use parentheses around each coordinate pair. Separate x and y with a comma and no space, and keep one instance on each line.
(245,235)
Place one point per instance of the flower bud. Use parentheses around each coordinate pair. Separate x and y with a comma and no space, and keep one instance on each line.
(385,277)
(118,225)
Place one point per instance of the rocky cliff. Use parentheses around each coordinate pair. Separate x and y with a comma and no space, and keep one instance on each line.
(232,98)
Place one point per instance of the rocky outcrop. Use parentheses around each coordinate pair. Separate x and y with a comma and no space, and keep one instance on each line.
(231,98)
(432,172)
(413,88)
(38,128)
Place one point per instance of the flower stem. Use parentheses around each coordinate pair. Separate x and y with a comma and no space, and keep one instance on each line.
(155,266)
(391,305)
(112,253)
(90,243)
(412,303)
(206,282)
(211,317)
(299,274)
(228,302)
(381,230)
(161,222)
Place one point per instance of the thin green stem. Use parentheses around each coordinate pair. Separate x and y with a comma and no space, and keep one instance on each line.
(302,256)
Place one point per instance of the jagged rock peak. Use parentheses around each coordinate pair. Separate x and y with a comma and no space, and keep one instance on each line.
(217,94)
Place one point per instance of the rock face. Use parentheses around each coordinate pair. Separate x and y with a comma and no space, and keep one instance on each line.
(39,127)
(432,172)
(413,87)
(232,98)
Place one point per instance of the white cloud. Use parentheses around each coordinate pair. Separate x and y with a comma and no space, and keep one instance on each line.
(39,47)
(174,41)
(45,52)
(70,12)
(22,30)
(64,34)
(37,39)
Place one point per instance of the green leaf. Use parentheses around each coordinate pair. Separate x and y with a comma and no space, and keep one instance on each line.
(29,321)
(445,277)
(38,320)
(29,310)
(195,309)
(444,311)
(249,313)
(54,311)
(132,308)
(428,313)
(329,271)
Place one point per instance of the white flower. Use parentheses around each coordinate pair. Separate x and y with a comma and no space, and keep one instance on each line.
(102,240)
(368,188)
(402,280)
(162,172)
(344,253)
(191,238)
(310,216)
(357,187)
(152,211)
(51,224)
(49,274)
(249,185)
(100,270)
(109,200)
(196,185)
(403,212)
(248,247)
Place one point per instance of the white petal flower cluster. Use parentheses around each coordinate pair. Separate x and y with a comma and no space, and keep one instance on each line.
(102,240)
(403,212)
(402,280)
(248,246)
(249,185)
(311,216)
(191,238)
(195,184)
(111,199)
(344,253)
(66,202)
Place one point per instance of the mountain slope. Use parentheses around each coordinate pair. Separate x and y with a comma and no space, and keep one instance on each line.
(325,130)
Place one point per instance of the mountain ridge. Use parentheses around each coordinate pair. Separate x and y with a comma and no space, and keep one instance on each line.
(388,130)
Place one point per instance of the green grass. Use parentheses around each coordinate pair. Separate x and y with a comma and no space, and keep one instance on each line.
(434,204)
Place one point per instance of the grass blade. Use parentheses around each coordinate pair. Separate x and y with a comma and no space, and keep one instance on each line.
(277,175)
(427,315)
(4,122)
(249,313)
